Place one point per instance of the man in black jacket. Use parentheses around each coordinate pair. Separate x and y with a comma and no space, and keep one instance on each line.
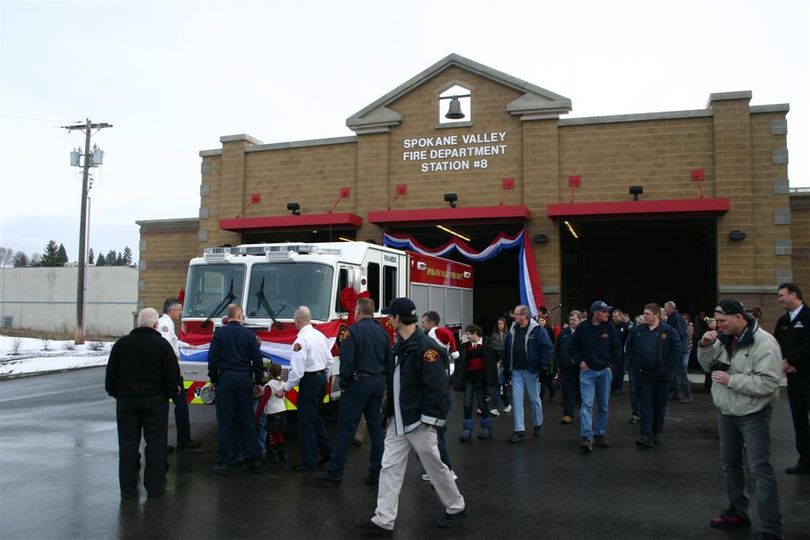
(793,334)
(142,374)
(416,405)
(654,354)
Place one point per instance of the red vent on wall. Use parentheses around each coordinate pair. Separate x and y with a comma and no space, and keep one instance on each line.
(698,175)
(402,189)
(508,183)
(345,192)
(574,181)
(255,198)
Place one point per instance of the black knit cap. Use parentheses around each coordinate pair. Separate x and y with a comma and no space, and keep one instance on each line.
(728,306)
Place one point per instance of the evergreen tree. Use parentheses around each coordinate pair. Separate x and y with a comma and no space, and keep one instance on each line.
(90,257)
(21,260)
(63,257)
(127,256)
(119,260)
(51,255)
(36,260)
(112,257)
(101,261)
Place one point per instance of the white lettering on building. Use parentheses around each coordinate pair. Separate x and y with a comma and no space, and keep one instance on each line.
(454,152)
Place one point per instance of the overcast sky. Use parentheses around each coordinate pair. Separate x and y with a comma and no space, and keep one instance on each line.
(172,77)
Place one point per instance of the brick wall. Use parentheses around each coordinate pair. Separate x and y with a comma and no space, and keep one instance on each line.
(166,248)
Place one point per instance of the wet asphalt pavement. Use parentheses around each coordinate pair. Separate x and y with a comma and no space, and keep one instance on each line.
(58,479)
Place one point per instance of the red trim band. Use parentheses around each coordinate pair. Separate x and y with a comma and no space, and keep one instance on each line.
(660,208)
(291,222)
(432,215)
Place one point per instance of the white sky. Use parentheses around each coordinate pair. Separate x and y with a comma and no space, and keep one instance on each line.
(172,77)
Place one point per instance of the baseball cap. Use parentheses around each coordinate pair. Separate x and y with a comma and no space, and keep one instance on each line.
(401,307)
(600,306)
(728,306)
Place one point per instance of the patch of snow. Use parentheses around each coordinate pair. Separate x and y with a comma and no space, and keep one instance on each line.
(19,355)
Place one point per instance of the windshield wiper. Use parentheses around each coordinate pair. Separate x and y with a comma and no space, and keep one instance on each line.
(224,302)
(266,305)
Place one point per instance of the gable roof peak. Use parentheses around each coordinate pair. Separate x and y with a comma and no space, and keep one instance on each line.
(534,101)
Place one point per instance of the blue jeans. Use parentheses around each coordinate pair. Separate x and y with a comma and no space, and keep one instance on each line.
(361,397)
(684,389)
(524,379)
(594,386)
(751,433)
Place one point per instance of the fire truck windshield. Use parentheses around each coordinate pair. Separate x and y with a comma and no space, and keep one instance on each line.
(286,286)
(208,285)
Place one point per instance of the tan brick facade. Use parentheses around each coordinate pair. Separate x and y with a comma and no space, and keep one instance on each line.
(732,141)
(166,247)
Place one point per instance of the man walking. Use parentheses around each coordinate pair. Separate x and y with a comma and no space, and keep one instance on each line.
(569,370)
(681,383)
(172,312)
(744,362)
(363,357)
(528,351)
(415,406)
(595,348)
(142,374)
(235,369)
(310,363)
(653,352)
(793,334)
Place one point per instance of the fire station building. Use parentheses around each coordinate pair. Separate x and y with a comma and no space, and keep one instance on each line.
(681,205)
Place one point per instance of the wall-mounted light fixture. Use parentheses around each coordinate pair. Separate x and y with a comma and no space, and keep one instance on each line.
(294,208)
(451,198)
(635,191)
(736,236)
(540,238)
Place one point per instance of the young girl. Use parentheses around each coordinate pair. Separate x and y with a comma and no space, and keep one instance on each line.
(275,410)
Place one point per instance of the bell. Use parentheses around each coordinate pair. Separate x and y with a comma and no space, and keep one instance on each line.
(454,112)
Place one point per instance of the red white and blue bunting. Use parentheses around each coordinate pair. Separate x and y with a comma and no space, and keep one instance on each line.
(531,292)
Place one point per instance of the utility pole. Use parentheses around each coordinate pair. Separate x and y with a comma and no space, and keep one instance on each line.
(87,128)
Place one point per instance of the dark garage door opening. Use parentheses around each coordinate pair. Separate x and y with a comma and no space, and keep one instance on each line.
(629,263)
(496,287)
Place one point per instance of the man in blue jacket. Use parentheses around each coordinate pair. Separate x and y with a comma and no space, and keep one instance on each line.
(677,322)
(596,347)
(654,353)
(528,350)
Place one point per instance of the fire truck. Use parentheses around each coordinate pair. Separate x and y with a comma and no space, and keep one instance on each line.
(270,281)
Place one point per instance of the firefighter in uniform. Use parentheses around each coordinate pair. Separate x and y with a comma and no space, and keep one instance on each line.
(363,357)
(309,365)
(172,310)
(415,406)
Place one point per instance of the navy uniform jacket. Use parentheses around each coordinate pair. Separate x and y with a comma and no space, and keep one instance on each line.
(678,323)
(654,352)
(366,351)
(234,348)
(142,364)
(597,346)
(562,349)
(794,340)
(417,375)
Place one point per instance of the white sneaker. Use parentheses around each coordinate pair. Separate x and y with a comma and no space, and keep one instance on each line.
(507,409)
(494,412)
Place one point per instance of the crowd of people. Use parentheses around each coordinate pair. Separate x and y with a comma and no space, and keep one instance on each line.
(402,394)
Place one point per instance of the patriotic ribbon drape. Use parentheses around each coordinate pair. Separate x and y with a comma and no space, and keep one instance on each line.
(531,292)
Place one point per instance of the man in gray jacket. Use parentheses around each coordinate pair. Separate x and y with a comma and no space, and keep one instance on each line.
(745,363)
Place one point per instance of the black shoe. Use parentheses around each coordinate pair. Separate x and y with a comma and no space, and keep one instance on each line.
(485,434)
(730,519)
(282,454)
(373,479)
(302,468)
(326,479)
(221,469)
(798,469)
(169,449)
(355,442)
(448,521)
(634,419)
(369,528)
(601,442)
(645,443)
(324,461)
(586,445)
(538,431)
(517,436)
(252,467)
(272,456)
(189,445)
